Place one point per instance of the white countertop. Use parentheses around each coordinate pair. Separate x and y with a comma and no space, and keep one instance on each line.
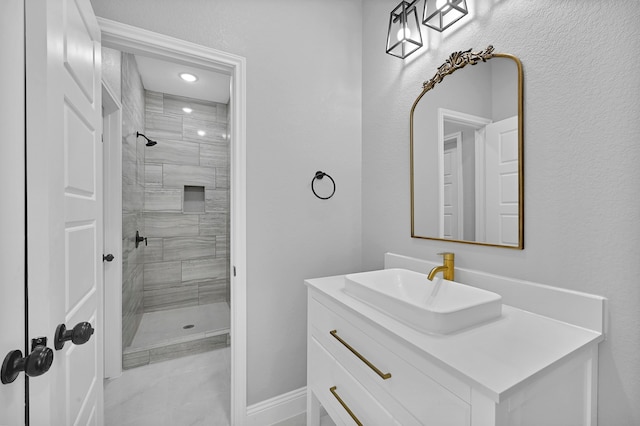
(496,357)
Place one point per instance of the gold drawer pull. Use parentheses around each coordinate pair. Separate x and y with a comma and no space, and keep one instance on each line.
(384,376)
(353,416)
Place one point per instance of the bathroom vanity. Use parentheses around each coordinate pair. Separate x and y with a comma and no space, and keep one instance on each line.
(520,368)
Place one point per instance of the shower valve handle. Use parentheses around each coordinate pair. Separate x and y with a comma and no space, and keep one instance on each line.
(140,239)
(79,335)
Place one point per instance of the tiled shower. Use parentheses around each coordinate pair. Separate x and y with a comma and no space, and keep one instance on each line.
(176,196)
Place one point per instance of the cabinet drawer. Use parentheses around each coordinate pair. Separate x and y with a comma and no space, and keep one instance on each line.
(362,355)
(340,394)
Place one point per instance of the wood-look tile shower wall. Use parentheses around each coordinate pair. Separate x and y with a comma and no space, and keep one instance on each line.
(186,261)
(133,151)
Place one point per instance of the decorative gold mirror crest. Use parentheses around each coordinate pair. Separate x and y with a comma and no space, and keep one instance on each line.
(467,180)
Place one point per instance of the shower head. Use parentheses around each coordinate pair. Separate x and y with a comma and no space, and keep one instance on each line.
(149,141)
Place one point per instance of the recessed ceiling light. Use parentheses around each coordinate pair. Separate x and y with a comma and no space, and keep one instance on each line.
(190,78)
(201,133)
(187,110)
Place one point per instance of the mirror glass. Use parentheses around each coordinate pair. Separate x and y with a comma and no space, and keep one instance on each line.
(466,152)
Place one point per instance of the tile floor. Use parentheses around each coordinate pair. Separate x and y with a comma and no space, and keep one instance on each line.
(189,391)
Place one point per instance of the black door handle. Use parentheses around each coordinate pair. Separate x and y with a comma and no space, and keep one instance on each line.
(108,257)
(79,335)
(35,364)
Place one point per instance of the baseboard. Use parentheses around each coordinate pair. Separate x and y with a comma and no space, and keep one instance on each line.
(278,408)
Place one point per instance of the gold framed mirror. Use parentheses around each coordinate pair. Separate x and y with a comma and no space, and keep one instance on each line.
(466,136)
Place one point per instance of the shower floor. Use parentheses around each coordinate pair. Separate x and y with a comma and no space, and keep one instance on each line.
(178,332)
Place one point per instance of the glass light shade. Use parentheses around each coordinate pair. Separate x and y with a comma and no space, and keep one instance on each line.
(441,14)
(404,36)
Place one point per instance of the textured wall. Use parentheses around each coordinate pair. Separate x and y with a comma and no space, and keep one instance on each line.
(112,70)
(582,150)
(303,115)
(132,198)
(187,259)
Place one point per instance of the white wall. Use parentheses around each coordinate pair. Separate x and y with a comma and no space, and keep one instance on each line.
(303,115)
(582,159)
(112,70)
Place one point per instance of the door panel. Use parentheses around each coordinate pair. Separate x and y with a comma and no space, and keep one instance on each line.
(452,179)
(64,193)
(79,48)
(12,208)
(450,230)
(502,182)
(79,169)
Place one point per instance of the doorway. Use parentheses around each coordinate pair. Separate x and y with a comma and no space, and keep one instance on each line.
(466,168)
(135,41)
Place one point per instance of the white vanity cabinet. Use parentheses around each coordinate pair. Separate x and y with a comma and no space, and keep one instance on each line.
(390,390)
(366,368)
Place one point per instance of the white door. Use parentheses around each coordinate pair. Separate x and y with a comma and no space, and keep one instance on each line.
(452,181)
(501,168)
(64,205)
(12,232)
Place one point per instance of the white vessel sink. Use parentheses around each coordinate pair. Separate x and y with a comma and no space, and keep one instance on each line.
(439,306)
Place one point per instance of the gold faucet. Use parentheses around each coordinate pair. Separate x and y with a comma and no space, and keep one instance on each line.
(446,268)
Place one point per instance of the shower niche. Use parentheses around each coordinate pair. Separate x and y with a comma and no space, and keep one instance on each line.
(193,200)
(175,299)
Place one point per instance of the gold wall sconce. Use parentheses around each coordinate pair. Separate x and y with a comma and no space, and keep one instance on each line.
(404,37)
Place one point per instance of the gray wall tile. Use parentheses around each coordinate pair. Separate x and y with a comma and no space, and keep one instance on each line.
(171,225)
(204,269)
(132,197)
(169,151)
(171,298)
(153,102)
(185,248)
(163,126)
(222,177)
(216,200)
(202,110)
(163,200)
(214,132)
(162,274)
(152,175)
(132,304)
(214,223)
(212,291)
(177,176)
(188,348)
(152,252)
(215,154)
(222,246)
(134,359)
